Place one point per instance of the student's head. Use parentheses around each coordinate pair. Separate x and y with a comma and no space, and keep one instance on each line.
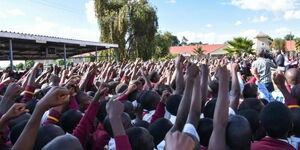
(141,123)
(276,119)
(112,87)
(101,114)
(238,133)
(154,76)
(83,100)
(65,142)
(172,103)
(292,76)
(209,108)
(126,121)
(46,134)
(133,96)
(140,138)
(148,100)
(213,88)
(161,88)
(204,129)
(250,91)
(296,121)
(16,131)
(70,119)
(253,118)
(30,105)
(159,129)
(251,103)
(121,88)
(261,53)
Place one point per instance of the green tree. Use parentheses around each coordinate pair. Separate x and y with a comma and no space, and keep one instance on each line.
(162,44)
(198,51)
(297,44)
(19,66)
(60,62)
(130,24)
(239,45)
(278,44)
(29,63)
(289,37)
(184,41)
(175,41)
(195,43)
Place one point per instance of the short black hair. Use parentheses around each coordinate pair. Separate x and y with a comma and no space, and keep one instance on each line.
(66,142)
(162,87)
(126,121)
(250,91)
(148,99)
(276,119)
(172,103)
(204,129)
(296,121)
(213,88)
(101,114)
(209,109)
(238,133)
(253,118)
(159,128)
(46,134)
(141,123)
(30,105)
(140,138)
(16,131)
(70,119)
(251,103)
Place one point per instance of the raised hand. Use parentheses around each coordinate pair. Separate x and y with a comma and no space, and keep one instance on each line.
(179,61)
(114,108)
(179,141)
(13,90)
(165,96)
(192,71)
(54,97)
(131,88)
(279,79)
(15,110)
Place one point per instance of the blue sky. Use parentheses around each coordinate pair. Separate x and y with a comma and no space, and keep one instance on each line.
(210,21)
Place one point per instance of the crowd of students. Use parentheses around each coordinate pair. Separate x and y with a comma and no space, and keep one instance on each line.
(181,104)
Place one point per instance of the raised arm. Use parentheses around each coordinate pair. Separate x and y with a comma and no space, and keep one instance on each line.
(179,75)
(115,110)
(56,96)
(235,87)
(195,109)
(184,106)
(218,139)
(204,80)
(13,90)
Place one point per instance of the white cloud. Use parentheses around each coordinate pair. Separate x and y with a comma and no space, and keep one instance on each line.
(15,12)
(208,25)
(171,1)
(292,14)
(268,5)
(260,19)
(2,15)
(237,23)
(90,12)
(280,32)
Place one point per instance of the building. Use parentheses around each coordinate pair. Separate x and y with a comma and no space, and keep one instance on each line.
(209,49)
(262,42)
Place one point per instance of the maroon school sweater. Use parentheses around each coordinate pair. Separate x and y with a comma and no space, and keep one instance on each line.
(269,143)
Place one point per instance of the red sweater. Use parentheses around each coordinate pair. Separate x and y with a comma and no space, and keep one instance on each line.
(269,143)
(159,112)
(27,95)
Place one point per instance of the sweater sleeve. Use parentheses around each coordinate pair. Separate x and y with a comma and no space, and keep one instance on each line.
(28,94)
(73,103)
(292,103)
(122,142)
(90,83)
(85,125)
(100,138)
(123,97)
(159,112)
(53,117)
(252,80)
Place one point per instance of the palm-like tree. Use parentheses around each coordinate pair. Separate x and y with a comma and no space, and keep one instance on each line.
(278,44)
(239,45)
(198,51)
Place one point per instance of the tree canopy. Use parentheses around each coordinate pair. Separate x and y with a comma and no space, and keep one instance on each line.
(289,37)
(278,44)
(239,45)
(130,24)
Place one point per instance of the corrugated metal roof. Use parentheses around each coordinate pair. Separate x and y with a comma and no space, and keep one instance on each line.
(43,38)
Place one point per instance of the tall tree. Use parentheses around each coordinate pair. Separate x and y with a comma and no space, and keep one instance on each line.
(195,43)
(175,41)
(289,37)
(278,44)
(184,41)
(239,45)
(130,24)
(198,51)
(162,44)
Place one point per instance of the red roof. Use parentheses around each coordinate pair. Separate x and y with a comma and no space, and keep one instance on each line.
(190,49)
(290,45)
